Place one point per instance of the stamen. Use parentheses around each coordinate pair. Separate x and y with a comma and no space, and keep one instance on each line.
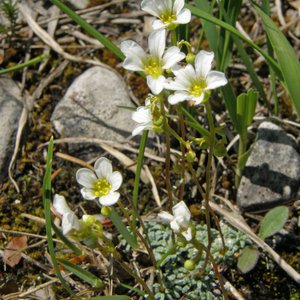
(197,88)
(153,67)
(167,18)
(102,187)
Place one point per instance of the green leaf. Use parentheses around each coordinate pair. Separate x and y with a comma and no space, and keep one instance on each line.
(248,259)
(273,221)
(85,275)
(246,104)
(117,221)
(46,202)
(286,56)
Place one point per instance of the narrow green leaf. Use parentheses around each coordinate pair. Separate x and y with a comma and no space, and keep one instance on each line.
(114,297)
(85,275)
(246,104)
(273,221)
(46,202)
(122,229)
(66,241)
(89,29)
(248,259)
(23,65)
(286,56)
(201,14)
(195,124)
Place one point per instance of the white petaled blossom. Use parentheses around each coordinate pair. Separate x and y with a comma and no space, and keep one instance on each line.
(69,219)
(148,117)
(154,63)
(169,12)
(179,221)
(194,83)
(101,184)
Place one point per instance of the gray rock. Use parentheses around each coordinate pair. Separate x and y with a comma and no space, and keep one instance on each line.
(90,107)
(10,112)
(272,173)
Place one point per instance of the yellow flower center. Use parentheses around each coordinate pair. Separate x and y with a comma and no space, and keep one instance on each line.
(153,67)
(168,18)
(197,88)
(102,187)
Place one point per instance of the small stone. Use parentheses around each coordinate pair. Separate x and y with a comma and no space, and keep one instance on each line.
(90,107)
(10,112)
(272,173)
(79,4)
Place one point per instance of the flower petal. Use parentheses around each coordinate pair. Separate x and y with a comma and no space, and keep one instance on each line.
(187,234)
(175,226)
(183,17)
(172,56)
(110,199)
(88,194)
(69,222)
(165,217)
(133,64)
(215,79)
(157,43)
(203,63)
(142,115)
(139,129)
(185,76)
(156,85)
(199,99)
(158,24)
(86,177)
(181,210)
(150,7)
(178,6)
(133,50)
(178,97)
(115,180)
(60,204)
(103,167)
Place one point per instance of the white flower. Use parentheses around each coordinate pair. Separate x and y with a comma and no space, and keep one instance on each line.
(102,184)
(169,12)
(179,221)
(193,83)
(69,219)
(147,116)
(154,63)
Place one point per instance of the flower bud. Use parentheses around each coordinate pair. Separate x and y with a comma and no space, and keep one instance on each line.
(189,264)
(190,58)
(106,211)
(190,156)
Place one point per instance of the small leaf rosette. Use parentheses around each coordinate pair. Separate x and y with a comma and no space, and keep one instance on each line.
(101,184)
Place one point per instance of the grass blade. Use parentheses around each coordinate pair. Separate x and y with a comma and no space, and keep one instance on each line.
(23,65)
(114,297)
(85,275)
(286,57)
(47,201)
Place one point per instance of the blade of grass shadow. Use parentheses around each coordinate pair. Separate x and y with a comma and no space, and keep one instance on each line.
(89,29)
(286,57)
(46,202)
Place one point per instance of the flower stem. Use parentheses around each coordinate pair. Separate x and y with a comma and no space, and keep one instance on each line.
(208,173)
(173,37)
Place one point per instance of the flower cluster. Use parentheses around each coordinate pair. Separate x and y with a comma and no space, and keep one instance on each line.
(163,66)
